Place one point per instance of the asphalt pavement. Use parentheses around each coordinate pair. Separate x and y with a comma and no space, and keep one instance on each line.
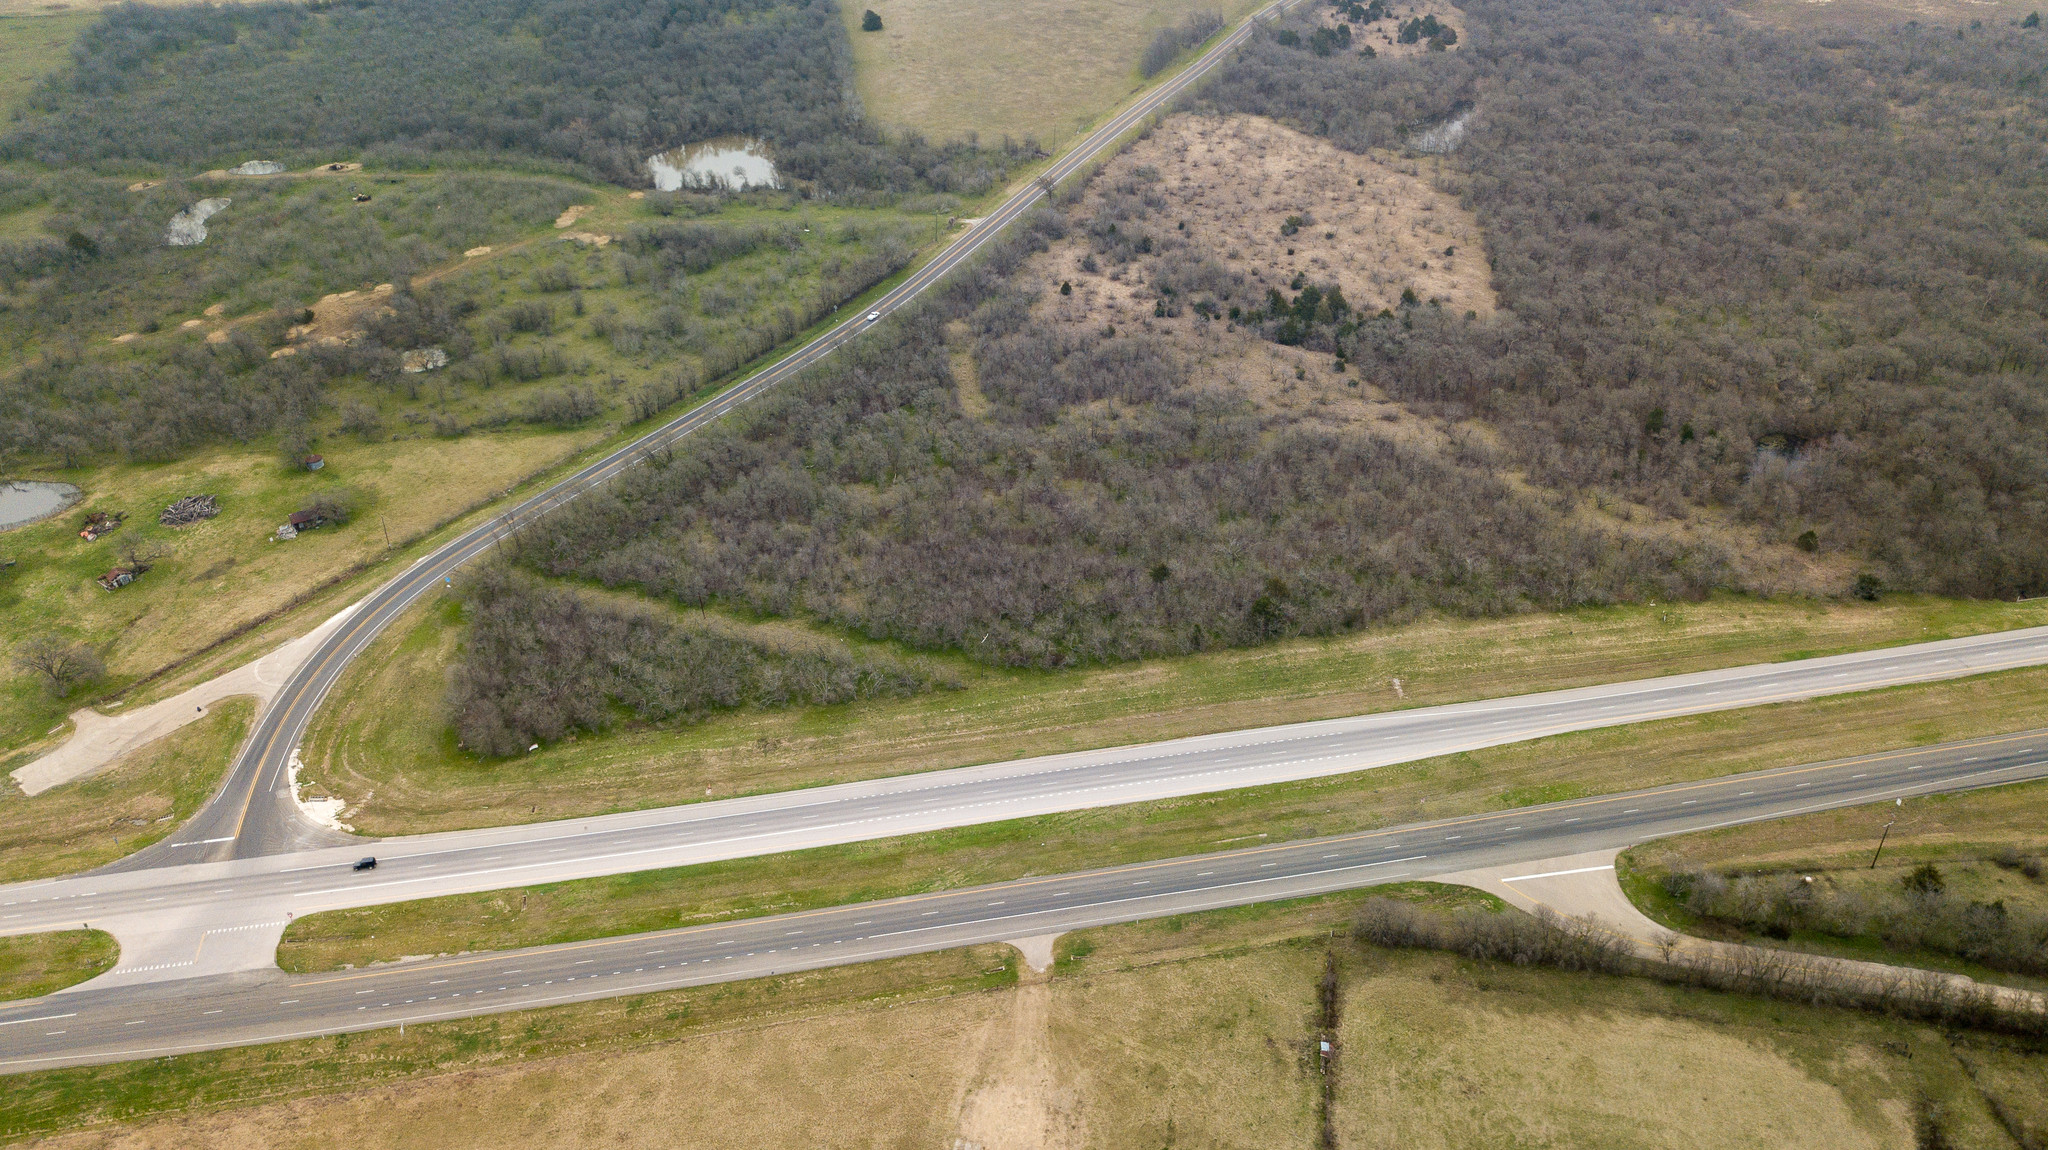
(114,1023)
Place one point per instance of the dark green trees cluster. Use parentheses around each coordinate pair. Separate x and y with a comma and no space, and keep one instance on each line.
(1426,28)
(870,21)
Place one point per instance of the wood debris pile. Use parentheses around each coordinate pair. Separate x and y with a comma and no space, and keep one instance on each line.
(189,510)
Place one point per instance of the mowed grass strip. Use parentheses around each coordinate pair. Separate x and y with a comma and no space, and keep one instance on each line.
(382,741)
(137,800)
(1189,1031)
(33,964)
(1545,770)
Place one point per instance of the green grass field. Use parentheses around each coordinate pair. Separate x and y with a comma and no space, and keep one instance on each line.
(34,44)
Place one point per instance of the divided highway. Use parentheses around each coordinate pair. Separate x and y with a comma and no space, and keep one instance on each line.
(105,1024)
(253,814)
(215,918)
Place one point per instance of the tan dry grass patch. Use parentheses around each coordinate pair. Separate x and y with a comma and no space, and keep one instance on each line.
(1036,69)
(849,1077)
(1426,1065)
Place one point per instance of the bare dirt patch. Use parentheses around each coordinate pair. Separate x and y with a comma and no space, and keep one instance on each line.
(339,317)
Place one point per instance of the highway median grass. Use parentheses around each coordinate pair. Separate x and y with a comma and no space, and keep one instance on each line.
(37,964)
(1544,770)
(138,799)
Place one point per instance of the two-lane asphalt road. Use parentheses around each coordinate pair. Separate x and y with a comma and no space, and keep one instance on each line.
(114,1023)
(253,814)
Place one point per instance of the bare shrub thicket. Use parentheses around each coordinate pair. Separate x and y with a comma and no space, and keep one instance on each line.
(540,662)
(1578,944)
(1174,39)
(1794,274)
(1106,509)
(1920,915)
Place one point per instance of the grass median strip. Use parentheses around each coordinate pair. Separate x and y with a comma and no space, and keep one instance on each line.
(1545,770)
(33,964)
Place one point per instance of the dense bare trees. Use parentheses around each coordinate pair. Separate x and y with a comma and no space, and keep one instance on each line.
(540,662)
(1816,255)
(1106,509)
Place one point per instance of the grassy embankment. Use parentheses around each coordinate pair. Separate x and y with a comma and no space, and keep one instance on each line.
(395,759)
(1962,834)
(1025,70)
(1545,770)
(34,964)
(222,575)
(135,801)
(1196,1030)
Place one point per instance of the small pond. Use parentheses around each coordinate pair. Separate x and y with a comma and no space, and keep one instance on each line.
(23,501)
(731,163)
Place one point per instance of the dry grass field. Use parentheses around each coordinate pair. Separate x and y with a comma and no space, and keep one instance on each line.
(135,801)
(1039,69)
(1187,1032)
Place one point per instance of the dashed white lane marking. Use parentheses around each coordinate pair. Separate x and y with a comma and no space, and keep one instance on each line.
(38,1018)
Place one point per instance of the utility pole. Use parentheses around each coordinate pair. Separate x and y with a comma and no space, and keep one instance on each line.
(1886,833)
